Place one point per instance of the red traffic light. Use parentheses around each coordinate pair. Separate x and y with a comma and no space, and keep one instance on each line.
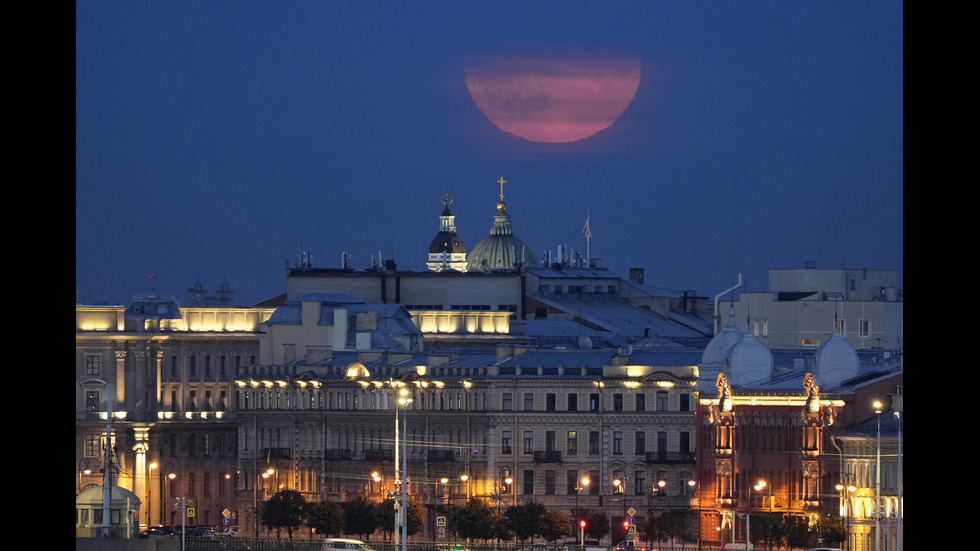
(582,523)
(626,524)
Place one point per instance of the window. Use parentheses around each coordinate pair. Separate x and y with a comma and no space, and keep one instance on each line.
(663,399)
(193,369)
(640,443)
(594,402)
(864,329)
(507,401)
(640,482)
(528,401)
(571,482)
(641,402)
(207,366)
(528,482)
(840,327)
(617,402)
(92,400)
(93,445)
(617,443)
(92,364)
(662,442)
(573,402)
(173,367)
(572,442)
(529,441)
(223,367)
(685,442)
(685,402)
(594,442)
(550,400)
(506,441)
(549,440)
(549,482)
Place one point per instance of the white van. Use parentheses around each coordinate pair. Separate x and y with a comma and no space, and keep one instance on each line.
(340,544)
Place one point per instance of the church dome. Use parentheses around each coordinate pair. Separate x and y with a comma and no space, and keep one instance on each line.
(749,361)
(501,249)
(837,361)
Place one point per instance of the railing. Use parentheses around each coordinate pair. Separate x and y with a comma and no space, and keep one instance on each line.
(669,457)
(298,544)
(547,457)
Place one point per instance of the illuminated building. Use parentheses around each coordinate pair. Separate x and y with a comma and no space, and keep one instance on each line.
(165,374)
(773,416)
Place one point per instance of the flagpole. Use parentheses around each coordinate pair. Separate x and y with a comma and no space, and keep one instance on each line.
(587,232)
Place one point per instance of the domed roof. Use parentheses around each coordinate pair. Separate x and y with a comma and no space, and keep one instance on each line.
(837,361)
(749,361)
(94,496)
(721,343)
(501,249)
(447,241)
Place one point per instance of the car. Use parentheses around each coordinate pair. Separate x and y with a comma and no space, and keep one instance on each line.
(342,544)
(155,531)
(202,532)
(228,531)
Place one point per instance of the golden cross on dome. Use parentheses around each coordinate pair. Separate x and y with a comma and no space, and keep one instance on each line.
(501,181)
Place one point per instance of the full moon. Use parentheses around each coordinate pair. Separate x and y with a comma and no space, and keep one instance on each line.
(553,99)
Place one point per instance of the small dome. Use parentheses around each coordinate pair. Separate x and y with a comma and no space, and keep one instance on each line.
(837,361)
(749,361)
(721,343)
(447,242)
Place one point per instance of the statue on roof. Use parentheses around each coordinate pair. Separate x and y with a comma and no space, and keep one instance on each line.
(725,401)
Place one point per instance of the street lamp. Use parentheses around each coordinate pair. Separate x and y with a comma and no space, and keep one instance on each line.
(878,409)
(845,488)
(693,484)
(748,509)
(401,472)
(149,494)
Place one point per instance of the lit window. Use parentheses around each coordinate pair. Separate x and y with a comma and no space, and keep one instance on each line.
(864,329)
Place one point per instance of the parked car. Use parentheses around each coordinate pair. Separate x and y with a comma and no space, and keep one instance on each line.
(228,531)
(341,544)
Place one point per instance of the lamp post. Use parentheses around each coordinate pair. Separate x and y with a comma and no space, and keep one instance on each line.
(619,487)
(878,409)
(149,494)
(845,487)
(898,415)
(583,484)
(694,487)
(748,508)
(401,473)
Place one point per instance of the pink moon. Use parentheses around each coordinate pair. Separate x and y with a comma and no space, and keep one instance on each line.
(553,99)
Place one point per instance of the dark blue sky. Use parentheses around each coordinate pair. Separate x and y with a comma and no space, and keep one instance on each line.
(217,140)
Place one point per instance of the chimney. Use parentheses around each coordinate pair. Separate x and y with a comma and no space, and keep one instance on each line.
(636,275)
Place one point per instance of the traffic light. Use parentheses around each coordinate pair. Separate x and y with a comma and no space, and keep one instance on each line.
(582,523)
(626,524)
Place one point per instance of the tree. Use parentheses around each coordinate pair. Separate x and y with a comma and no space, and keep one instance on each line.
(474,520)
(830,530)
(678,524)
(596,522)
(526,520)
(796,530)
(285,509)
(555,524)
(360,518)
(326,517)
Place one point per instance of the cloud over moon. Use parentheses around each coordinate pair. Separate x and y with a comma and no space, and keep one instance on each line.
(550,98)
